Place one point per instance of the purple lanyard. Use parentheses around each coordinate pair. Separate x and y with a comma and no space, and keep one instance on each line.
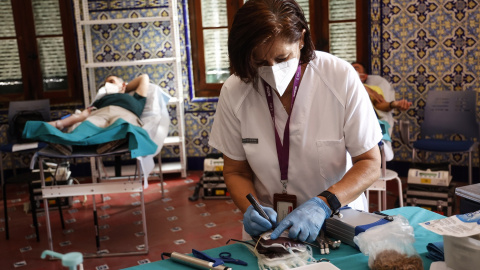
(283,150)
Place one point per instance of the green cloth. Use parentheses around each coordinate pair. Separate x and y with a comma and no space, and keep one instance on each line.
(139,142)
(134,103)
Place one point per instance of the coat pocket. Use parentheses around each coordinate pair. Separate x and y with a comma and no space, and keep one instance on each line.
(332,159)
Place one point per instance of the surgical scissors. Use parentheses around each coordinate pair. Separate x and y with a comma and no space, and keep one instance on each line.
(227,258)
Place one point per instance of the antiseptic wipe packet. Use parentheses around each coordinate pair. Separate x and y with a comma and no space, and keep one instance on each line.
(459,225)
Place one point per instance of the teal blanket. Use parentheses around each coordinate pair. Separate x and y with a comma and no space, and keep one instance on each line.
(385,126)
(139,142)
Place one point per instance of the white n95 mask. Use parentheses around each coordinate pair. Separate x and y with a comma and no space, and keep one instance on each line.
(279,75)
(111,88)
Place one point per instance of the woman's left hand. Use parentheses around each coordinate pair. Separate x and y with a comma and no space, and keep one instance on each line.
(305,221)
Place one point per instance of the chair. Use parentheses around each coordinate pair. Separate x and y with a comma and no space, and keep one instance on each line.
(14,147)
(448,114)
(385,148)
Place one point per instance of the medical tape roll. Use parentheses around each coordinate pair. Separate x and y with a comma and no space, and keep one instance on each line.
(195,262)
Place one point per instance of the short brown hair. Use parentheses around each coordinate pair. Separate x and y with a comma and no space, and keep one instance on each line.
(259,22)
(361,64)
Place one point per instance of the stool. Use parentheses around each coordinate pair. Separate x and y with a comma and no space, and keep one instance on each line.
(381,186)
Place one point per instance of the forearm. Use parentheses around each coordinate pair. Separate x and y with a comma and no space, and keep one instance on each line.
(383,106)
(401,105)
(364,172)
(239,187)
(73,119)
(239,180)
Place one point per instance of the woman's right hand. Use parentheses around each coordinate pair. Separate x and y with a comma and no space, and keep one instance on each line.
(255,224)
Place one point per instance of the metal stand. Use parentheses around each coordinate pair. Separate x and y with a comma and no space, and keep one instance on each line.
(96,187)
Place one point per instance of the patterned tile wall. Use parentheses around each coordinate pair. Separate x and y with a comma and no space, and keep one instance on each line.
(428,45)
(417,45)
(151,40)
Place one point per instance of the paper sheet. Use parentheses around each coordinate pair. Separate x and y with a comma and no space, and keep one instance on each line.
(459,225)
(320,265)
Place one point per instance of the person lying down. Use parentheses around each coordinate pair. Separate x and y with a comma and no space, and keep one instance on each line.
(111,107)
(113,117)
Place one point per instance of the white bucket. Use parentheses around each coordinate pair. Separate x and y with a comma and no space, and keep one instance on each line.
(462,253)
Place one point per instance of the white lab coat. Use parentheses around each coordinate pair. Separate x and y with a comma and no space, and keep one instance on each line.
(332,119)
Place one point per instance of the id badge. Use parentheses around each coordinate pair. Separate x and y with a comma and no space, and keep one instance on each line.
(284,204)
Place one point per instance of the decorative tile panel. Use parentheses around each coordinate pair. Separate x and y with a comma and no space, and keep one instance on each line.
(429,45)
(421,44)
(459,42)
(422,8)
(460,7)
(417,46)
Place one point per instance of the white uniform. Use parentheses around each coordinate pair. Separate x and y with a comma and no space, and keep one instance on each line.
(332,118)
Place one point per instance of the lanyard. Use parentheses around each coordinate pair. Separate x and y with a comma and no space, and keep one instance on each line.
(283,150)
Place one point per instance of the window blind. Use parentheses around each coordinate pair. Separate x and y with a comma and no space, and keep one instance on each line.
(215,38)
(343,40)
(340,10)
(9,56)
(47,17)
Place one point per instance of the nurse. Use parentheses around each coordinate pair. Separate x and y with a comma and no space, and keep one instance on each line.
(295,125)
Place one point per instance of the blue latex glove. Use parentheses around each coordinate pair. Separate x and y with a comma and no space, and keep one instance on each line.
(255,224)
(305,221)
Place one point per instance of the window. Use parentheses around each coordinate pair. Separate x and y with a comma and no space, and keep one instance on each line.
(341,27)
(209,24)
(38,51)
(338,26)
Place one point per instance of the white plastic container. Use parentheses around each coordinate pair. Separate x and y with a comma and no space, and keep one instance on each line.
(462,253)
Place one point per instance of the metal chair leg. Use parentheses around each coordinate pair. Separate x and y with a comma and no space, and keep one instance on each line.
(470,173)
(45,203)
(160,173)
(34,210)
(59,205)
(1,169)
(400,191)
(380,199)
(5,211)
(4,193)
(95,223)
